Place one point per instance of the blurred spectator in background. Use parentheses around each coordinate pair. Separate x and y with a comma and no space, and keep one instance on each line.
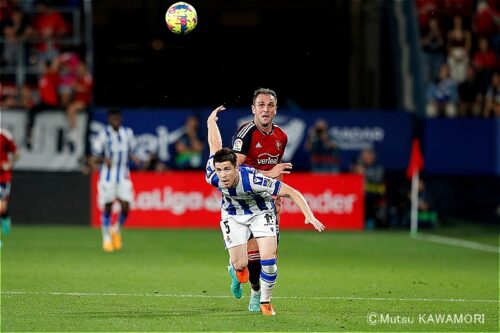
(324,153)
(442,96)
(16,30)
(426,9)
(189,146)
(49,25)
(8,157)
(433,47)
(22,100)
(427,216)
(81,97)
(459,45)
(48,85)
(154,164)
(470,95)
(485,62)
(458,7)
(492,98)
(483,22)
(375,188)
(68,64)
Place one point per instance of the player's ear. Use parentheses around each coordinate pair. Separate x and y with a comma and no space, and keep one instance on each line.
(253,109)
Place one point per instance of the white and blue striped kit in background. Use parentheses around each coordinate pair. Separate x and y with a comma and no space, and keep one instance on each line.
(117,147)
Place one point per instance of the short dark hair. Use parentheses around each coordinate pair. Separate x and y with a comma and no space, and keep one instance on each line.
(264,91)
(114,111)
(225,154)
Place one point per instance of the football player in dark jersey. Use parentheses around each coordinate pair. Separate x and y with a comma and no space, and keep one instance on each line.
(261,144)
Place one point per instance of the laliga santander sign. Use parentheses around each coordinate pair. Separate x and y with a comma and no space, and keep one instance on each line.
(185,200)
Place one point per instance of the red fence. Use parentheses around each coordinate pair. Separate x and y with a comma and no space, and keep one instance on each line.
(185,200)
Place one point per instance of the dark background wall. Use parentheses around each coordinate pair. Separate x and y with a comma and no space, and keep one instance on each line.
(294,47)
(50,197)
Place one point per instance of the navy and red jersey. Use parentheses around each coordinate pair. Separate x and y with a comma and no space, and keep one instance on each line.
(263,151)
(7,147)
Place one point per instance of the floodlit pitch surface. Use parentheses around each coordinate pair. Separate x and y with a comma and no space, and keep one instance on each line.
(58,279)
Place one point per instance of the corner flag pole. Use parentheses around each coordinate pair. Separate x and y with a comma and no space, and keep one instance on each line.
(414,204)
(415,165)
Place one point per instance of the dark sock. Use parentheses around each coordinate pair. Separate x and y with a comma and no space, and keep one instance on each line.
(254,270)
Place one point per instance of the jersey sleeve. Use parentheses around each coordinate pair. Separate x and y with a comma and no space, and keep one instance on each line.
(242,139)
(261,183)
(210,175)
(9,144)
(99,143)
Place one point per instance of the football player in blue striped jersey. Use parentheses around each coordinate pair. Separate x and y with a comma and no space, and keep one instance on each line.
(113,148)
(247,208)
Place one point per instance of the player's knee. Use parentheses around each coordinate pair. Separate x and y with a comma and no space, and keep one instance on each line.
(3,207)
(239,264)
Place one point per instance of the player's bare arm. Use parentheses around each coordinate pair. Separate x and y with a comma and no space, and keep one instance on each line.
(278,170)
(9,165)
(98,160)
(214,137)
(297,197)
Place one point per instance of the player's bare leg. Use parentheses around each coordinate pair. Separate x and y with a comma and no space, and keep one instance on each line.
(268,274)
(238,269)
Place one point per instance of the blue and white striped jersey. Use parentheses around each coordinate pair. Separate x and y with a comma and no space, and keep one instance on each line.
(117,147)
(253,195)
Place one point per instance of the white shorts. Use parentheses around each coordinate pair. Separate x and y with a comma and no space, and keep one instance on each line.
(110,191)
(4,191)
(237,233)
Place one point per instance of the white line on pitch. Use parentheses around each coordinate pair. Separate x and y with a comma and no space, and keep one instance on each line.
(458,242)
(227,296)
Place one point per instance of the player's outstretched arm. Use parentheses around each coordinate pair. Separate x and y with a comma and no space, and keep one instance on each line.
(214,137)
(297,197)
(278,170)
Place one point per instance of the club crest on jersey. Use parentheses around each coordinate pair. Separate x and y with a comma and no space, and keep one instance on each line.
(278,145)
(238,144)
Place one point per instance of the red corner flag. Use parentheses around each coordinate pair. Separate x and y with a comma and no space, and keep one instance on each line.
(416,163)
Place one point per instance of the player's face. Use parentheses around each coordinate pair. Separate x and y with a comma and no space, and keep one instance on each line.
(264,110)
(115,120)
(227,173)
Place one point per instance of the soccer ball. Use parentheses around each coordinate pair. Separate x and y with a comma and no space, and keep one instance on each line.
(181,18)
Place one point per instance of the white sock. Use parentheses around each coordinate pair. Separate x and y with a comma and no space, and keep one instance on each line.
(253,292)
(116,227)
(106,236)
(268,275)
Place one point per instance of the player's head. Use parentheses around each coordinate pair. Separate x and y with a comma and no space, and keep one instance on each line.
(226,167)
(114,118)
(264,106)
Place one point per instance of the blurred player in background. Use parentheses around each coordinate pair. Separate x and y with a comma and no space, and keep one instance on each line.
(112,148)
(248,208)
(8,157)
(260,144)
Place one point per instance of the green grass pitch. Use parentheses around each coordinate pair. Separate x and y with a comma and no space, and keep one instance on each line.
(58,279)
